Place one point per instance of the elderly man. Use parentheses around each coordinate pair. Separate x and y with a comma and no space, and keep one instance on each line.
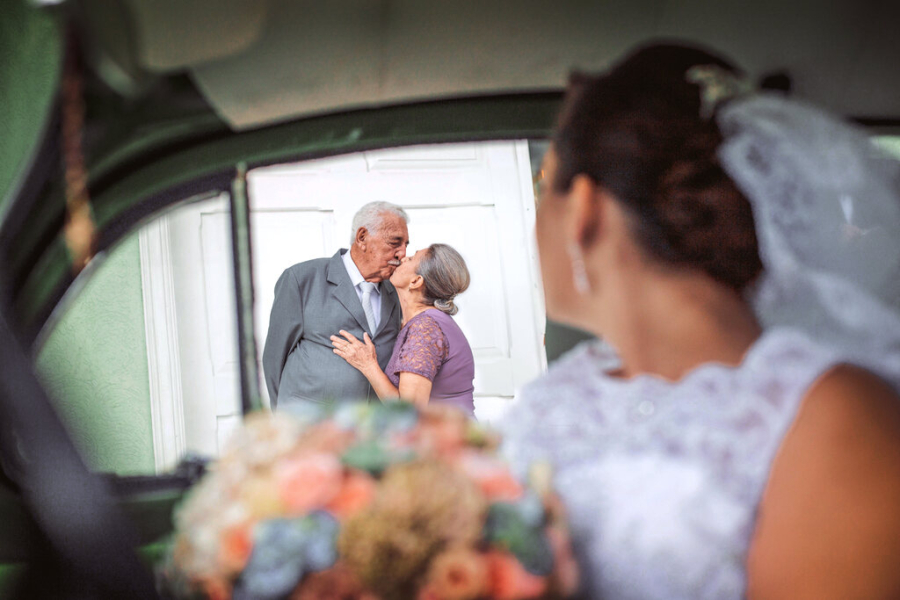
(317,298)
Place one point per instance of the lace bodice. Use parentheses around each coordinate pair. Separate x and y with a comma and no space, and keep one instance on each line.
(662,480)
(422,349)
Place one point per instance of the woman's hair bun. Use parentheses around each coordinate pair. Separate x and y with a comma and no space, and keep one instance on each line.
(446,306)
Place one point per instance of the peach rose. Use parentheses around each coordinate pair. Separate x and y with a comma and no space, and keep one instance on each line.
(355,494)
(235,546)
(308,481)
(458,574)
(510,581)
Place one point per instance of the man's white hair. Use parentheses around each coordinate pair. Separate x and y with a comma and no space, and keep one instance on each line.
(371,216)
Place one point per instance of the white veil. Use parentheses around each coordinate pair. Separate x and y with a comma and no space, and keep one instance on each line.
(826,202)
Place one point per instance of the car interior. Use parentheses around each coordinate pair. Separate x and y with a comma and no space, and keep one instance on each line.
(161,162)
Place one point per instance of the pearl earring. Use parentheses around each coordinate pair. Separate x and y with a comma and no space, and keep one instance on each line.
(579,273)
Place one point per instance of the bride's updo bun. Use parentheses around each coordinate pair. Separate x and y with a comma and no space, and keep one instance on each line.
(640,131)
(445,274)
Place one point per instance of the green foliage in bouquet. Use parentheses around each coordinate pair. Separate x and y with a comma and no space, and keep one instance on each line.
(518,528)
(368,502)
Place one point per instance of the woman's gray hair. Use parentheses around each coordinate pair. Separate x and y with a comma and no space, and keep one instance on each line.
(371,216)
(445,274)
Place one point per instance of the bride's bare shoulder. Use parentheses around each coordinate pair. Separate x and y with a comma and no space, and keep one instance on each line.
(829,521)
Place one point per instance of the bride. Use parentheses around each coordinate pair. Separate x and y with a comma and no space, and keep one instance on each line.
(737,432)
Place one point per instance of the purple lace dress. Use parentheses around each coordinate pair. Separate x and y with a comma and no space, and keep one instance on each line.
(432,345)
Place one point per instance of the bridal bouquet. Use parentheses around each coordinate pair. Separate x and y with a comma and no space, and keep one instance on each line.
(368,502)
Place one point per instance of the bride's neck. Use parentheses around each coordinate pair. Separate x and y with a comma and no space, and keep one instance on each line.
(669,325)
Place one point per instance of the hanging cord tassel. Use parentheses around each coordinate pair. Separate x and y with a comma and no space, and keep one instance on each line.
(80,231)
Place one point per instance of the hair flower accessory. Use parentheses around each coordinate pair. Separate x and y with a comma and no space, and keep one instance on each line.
(716,85)
(369,502)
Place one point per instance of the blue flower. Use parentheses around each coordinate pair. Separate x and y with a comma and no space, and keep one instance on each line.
(284,550)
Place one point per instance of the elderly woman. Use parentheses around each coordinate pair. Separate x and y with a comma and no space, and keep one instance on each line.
(431,359)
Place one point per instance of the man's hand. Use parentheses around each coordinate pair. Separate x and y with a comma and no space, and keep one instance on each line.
(361,355)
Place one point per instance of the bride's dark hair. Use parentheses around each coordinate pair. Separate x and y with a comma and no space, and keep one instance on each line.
(638,131)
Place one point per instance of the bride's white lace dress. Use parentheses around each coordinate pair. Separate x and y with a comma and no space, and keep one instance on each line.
(662,480)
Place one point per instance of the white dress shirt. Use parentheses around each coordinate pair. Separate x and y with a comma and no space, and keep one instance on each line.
(356,278)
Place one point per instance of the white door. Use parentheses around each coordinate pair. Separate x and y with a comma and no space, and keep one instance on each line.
(476,197)
(199,238)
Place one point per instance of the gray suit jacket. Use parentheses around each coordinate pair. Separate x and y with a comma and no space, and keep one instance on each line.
(313,301)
